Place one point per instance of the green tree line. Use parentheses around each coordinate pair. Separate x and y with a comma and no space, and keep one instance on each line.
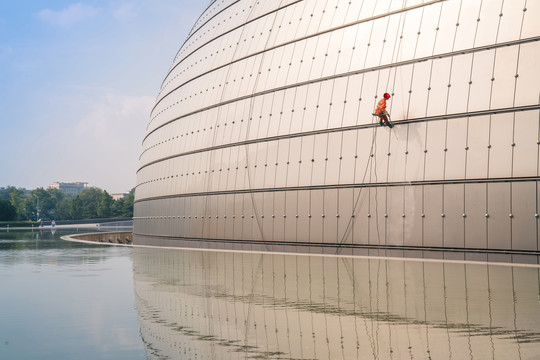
(92,203)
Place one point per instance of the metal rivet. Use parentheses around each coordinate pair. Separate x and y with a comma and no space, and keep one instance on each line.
(273,216)
(443,215)
(242,216)
(445,149)
(487,215)
(406,152)
(323,215)
(423,215)
(511,215)
(371,155)
(296,216)
(464,215)
(309,216)
(337,215)
(425,150)
(388,154)
(262,216)
(368,215)
(355,215)
(284,216)
(513,144)
(489,146)
(536,216)
(403,215)
(385,215)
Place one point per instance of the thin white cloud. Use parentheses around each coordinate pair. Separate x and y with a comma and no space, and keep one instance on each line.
(73,14)
(125,12)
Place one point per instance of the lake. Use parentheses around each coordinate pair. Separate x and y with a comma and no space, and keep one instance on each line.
(65,300)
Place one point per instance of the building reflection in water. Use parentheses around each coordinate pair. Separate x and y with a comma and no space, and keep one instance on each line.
(234,305)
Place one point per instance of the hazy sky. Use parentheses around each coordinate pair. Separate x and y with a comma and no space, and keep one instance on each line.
(77,82)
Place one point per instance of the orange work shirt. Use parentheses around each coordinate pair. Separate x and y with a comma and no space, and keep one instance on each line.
(381,106)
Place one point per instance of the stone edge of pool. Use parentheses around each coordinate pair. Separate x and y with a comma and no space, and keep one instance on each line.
(122,238)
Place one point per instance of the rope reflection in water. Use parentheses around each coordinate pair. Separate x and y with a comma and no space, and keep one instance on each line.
(237,305)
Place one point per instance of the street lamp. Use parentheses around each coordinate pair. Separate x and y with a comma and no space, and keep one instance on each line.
(37,207)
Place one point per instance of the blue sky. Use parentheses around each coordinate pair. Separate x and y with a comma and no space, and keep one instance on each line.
(77,82)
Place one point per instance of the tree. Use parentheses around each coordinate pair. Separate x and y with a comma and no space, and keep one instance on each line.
(104,205)
(7,211)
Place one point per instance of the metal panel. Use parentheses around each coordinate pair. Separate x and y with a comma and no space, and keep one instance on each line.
(348,161)
(379,168)
(504,77)
(438,86)
(345,218)
(434,151)
(291,206)
(279,215)
(293,165)
(304,160)
(270,164)
(500,155)
(377,220)
(456,148)
(331,216)
(433,210)
(315,162)
(499,231)
(315,216)
(511,20)
(361,222)
(527,85)
(332,160)
(525,157)
(524,236)
(303,211)
(395,219)
(412,225)
(397,159)
(414,152)
(453,215)
(478,141)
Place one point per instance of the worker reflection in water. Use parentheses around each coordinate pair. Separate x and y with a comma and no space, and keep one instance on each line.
(380,111)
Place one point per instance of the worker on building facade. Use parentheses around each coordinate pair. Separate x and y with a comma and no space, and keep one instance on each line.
(380,111)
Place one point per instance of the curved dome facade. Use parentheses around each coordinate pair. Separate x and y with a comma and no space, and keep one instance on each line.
(263,131)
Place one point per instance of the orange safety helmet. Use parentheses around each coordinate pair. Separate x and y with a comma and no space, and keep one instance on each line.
(387,96)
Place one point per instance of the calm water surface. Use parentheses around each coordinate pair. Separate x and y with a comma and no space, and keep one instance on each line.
(62,300)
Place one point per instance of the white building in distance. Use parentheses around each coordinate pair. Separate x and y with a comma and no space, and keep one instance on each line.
(71,189)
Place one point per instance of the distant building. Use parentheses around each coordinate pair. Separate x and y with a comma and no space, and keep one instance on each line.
(118,196)
(69,188)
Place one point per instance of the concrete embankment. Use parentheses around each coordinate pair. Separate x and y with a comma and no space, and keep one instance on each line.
(106,238)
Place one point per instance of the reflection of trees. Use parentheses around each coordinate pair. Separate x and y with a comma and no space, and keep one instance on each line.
(275,306)
(28,246)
